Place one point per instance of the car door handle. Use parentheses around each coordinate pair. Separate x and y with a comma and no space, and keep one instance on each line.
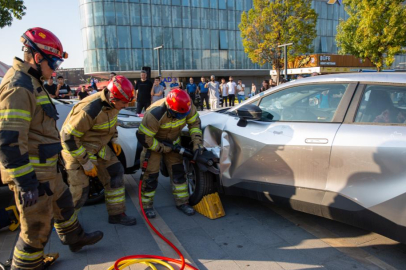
(316,141)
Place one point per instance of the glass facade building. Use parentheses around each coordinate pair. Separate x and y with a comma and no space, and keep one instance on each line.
(198,35)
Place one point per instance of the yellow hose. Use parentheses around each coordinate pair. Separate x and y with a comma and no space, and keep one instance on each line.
(148,262)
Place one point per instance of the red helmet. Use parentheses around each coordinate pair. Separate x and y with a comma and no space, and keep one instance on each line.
(46,43)
(121,88)
(178,101)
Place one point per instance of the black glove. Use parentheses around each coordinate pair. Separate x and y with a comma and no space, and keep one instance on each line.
(29,198)
(178,148)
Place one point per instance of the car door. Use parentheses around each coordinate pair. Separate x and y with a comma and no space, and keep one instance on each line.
(367,176)
(286,153)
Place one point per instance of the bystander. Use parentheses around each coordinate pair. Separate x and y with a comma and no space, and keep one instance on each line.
(240,91)
(157,91)
(231,90)
(214,95)
(204,92)
(224,91)
(143,89)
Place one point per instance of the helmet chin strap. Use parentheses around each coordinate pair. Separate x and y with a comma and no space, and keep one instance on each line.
(37,64)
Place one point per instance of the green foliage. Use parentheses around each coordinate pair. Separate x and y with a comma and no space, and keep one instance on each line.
(271,23)
(375,30)
(10,8)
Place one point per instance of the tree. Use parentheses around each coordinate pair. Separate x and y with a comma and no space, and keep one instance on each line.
(272,23)
(10,8)
(375,30)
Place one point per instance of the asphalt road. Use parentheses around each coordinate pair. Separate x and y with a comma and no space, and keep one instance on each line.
(252,235)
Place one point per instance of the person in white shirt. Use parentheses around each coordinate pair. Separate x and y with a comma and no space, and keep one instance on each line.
(240,92)
(214,92)
(224,91)
(231,90)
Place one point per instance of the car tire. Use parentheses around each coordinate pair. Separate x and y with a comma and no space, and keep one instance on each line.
(96,192)
(202,186)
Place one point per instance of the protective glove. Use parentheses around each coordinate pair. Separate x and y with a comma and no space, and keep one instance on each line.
(90,169)
(117,148)
(178,149)
(165,149)
(29,198)
(199,148)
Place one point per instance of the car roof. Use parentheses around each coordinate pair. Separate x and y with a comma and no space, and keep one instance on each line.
(384,77)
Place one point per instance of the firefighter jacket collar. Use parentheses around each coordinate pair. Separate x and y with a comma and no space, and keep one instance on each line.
(107,105)
(25,67)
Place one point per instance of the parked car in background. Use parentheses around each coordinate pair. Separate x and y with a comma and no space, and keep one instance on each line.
(332,146)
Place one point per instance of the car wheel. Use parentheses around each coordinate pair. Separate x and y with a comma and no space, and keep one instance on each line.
(96,188)
(200,184)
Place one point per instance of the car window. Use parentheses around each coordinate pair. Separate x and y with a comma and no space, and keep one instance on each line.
(306,103)
(382,104)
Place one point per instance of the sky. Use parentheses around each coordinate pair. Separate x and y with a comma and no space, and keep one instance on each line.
(61,17)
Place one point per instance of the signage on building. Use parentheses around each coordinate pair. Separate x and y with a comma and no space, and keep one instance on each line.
(325,60)
(332,2)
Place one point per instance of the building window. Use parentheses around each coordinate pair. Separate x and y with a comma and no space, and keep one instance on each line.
(195,3)
(231,39)
(148,59)
(197,59)
(100,37)
(135,11)
(214,4)
(89,14)
(222,4)
(137,59)
(223,40)
(197,39)
(214,40)
(187,38)
(146,37)
(156,15)
(98,13)
(215,59)
(187,56)
(223,18)
(111,37)
(205,18)
(112,59)
(223,59)
(176,16)
(123,37)
(125,60)
(178,59)
(231,59)
(176,2)
(91,42)
(195,18)
(136,37)
(166,16)
(168,38)
(109,14)
(177,40)
(206,59)
(186,17)
(145,15)
(168,59)
(214,19)
(156,36)
(323,44)
(123,17)
(230,4)
(186,3)
(206,39)
(101,60)
(231,20)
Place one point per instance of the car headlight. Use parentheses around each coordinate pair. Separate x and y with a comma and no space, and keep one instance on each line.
(128,124)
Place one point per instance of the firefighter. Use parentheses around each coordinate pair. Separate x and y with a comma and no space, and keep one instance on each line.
(164,121)
(29,148)
(89,139)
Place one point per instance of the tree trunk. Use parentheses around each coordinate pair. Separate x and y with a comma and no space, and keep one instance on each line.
(278,75)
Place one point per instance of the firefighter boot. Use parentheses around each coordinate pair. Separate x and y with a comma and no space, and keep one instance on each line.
(86,240)
(122,219)
(186,208)
(150,213)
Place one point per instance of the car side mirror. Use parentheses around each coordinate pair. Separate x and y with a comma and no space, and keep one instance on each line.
(248,112)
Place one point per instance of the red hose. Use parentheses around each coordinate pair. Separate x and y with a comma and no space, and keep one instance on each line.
(182,259)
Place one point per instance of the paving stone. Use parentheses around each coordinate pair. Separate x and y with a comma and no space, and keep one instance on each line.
(219,265)
(200,245)
(344,262)
(257,260)
(176,219)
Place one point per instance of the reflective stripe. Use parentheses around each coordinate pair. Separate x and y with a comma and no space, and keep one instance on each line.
(48,162)
(154,145)
(43,100)
(91,156)
(15,114)
(181,195)
(195,130)
(177,141)
(73,131)
(78,152)
(21,171)
(28,256)
(116,192)
(149,194)
(102,152)
(69,222)
(180,187)
(106,125)
(174,124)
(192,119)
(115,200)
(146,131)
(146,200)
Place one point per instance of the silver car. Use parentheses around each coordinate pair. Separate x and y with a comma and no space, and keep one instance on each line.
(332,146)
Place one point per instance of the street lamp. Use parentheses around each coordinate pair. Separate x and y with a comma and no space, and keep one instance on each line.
(159,58)
(285,52)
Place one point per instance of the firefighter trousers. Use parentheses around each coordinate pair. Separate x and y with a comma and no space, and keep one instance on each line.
(174,165)
(110,172)
(54,208)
